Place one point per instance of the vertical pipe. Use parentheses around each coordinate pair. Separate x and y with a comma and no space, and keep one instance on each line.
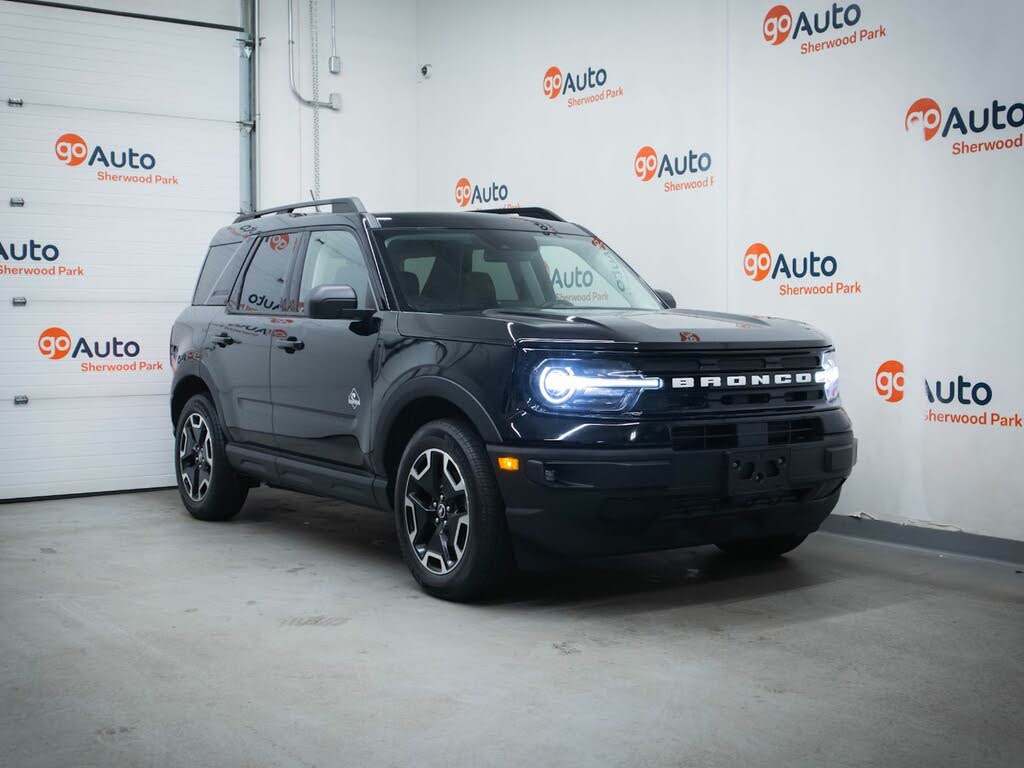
(246,110)
(256,105)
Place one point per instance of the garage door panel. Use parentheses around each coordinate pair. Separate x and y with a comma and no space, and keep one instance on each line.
(121,256)
(96,252)
(53,416)
(116,459)
(185,158)
(118,63)
(57,350)
(81,449)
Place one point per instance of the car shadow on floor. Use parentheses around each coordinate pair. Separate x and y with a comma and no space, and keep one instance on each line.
(642,582)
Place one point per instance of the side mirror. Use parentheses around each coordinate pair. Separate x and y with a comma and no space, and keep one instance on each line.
(333,302)
(667,298)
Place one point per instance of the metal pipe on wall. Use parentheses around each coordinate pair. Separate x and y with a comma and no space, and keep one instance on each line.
(334,100)
(334,63)
(256,105)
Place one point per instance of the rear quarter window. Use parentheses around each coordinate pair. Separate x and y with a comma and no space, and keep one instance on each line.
(218,275)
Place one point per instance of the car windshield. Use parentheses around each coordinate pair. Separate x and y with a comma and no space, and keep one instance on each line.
(468,269)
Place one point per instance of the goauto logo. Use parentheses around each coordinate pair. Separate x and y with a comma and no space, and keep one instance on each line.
(552,82)
(56,343)
(279,242)
(778,25)
(647,164)
(556,84)
(71,149)
(890,381)
(924,117)
(466,193)
(463,191)
(759,264)
(30,251)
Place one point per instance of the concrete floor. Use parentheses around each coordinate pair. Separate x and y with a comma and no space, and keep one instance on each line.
(133,635)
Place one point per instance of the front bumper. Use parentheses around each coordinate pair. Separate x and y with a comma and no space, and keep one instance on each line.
(584,501)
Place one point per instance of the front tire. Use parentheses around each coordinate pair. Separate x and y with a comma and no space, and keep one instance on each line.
(210,489)
(763,549)
(449,514)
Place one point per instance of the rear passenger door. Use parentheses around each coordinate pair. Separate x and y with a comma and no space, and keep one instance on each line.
(322,371)
(237,349)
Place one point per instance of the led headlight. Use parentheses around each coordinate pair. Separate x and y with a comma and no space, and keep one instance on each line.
(592,386)
(829,376)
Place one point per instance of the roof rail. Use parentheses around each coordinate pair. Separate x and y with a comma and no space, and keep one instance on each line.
(338,205)
(531,211)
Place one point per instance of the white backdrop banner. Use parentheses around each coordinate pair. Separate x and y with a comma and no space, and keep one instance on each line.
(858,167)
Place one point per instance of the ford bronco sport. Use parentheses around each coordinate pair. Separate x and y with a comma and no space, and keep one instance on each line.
(505,384)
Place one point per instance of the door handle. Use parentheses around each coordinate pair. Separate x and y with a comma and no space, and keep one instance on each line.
(290,345)
(223,340)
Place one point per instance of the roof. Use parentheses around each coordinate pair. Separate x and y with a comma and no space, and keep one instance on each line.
(289,217)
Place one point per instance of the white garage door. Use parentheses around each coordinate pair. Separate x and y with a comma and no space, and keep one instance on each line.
(126,154)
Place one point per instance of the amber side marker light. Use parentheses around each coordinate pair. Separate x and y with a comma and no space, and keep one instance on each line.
(508,463)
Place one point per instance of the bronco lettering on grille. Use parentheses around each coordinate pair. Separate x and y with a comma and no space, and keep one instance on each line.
(742,380)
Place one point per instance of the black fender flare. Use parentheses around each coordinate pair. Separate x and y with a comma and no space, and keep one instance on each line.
(193,369)
(419,387)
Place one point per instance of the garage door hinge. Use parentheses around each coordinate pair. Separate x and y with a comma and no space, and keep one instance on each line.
(15,103)
(21,399)
(19,301)
(247,125)
(17,202)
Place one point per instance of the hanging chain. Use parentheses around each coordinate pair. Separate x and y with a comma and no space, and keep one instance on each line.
(314,48)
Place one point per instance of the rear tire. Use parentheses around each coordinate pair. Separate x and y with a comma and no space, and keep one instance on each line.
(210,489)
(763,549)
(449,514)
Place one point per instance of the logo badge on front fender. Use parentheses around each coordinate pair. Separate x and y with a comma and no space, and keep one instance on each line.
(353,398)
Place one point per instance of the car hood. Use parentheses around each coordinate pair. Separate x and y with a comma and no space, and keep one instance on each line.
(667,328)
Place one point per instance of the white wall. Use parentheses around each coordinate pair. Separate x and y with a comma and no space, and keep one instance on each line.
(484,117)
(820,160)
(368,149)
(809,153)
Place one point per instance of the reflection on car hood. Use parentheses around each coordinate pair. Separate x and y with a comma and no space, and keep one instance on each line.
(641,328)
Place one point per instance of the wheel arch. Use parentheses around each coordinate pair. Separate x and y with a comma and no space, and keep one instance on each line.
(189,383)
(415,403)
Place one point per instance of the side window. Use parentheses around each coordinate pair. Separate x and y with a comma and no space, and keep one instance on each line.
(218,275)
(575,280)
(264,282)
(334,257)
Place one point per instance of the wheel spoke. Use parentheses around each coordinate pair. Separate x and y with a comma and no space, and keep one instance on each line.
(422,518)
(195,479)
(438,545)
(458,529)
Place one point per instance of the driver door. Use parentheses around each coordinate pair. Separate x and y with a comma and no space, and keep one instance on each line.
(322,370)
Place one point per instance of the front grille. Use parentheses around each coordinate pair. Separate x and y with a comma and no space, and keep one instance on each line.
(697,400)
(726,435)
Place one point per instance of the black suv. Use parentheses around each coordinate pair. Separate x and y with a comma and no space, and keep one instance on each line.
(503,382)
